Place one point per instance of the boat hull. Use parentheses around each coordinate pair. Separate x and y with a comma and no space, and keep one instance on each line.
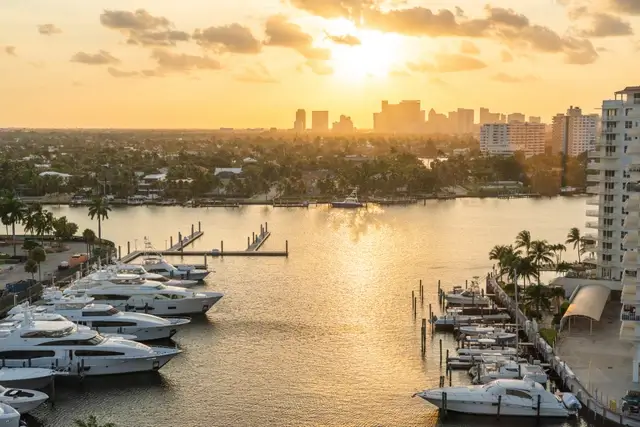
(460,300)
(491,408)
(167,308)
(186,275)
(25,405)
(151,333)
(31,382)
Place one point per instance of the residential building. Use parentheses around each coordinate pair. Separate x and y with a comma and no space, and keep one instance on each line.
(344,125)
(466,119)
(300,125)
(574,133)
(508,138)
(405,117)
(320,121)
(516,117)
(438,123)
(535,119)
(487,117)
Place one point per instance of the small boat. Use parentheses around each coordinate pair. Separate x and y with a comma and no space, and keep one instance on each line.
(490,358)
(496,336)
(351,202)
(140,271)
(467,297)
(522,398)
(32,378)
(509,369)
(454,319)
(474,330)
(505,351)
(22,400)
(9,417)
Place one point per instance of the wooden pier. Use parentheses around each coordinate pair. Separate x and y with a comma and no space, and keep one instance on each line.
(257,240)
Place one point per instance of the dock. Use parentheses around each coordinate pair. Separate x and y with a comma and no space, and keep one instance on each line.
(257,240)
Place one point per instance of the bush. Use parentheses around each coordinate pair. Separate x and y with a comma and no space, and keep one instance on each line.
(563,307)
(549,335)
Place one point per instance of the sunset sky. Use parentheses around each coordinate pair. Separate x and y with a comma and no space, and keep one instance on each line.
(252,63)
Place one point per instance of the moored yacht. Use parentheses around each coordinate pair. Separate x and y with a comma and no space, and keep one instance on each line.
(504,397)
(351,202)
(471,297)
(158,265)
(138,295)
(140,271)
(62,344)
(103,318)
(23,401)
(9,417)
(32,378)
(509,369)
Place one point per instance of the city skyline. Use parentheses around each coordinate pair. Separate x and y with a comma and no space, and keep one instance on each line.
(148,64)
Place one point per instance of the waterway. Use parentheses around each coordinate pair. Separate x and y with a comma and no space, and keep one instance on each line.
(324,337)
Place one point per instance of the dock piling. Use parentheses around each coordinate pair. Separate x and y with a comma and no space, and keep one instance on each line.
(199,227)
(170,241)
(538,408)
(423,336)
(266,227)
(128,248)
(253,236)
(192,230)
(440,351)
(248,241)
(180,240)
(444,402)
(499,404)
(421,292)
(286,247)
(221,247)
(119,252)
(466,283)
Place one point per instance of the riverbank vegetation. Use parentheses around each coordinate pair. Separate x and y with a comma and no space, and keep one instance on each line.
(200,164)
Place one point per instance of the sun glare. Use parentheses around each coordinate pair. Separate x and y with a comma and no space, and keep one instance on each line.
(375,56)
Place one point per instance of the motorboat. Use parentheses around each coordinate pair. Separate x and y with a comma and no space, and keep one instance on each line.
(103,318)
(471,297)
(32,378)
(61,344)
(22,400)
(509,369)
(140,271)
(522,398)
(351,202)
(499,337)
(491,349)
(455,319)
(475,330)
(9,417)
(132,293)
(158,265)
(490,358)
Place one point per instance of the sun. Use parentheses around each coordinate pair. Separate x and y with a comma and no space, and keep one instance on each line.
(374,56)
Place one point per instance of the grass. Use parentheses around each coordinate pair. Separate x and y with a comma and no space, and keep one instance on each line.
(549,335)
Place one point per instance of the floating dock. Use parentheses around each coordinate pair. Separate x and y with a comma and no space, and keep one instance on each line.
(257,240)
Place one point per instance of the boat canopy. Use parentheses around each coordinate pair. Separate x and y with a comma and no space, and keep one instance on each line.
(588,301)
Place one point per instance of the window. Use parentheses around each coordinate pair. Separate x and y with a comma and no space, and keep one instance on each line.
(628,125)
(97,353)
(110,297)
(50,334)
(97,339)
(519,393)
(111,324)
(26,354)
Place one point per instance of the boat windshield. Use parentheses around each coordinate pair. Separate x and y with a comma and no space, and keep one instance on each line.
(57,333)
(132,270)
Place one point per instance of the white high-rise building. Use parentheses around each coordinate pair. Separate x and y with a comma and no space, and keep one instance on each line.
(507,138)
(574,133)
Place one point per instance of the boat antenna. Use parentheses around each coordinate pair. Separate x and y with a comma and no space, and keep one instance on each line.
(516,315)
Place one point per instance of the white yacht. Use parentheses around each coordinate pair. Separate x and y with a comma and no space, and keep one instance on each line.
(455,319)
(140,271)
(132,293)
(509,369)
(351,202)
(61,344)
(158,265)
(470,297)
(23,401)
(514,397)
(103,318)
(9,417)
(32,378)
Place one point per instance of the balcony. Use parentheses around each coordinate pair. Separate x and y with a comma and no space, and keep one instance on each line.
(633,203)
(590,260)
(599,213)
(633,149)
(630,260)
(630,241)
(630,278)
(591,237)
(605,155)
(629,332)
(630,313)
(630,223)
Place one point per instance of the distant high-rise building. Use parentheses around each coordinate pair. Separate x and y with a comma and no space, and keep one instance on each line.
(574,133)
(300,125)
(516,117)
(488,117)
(320,121)
(345,125)
(405,117)
(535,119)
(466,120)
(508,138)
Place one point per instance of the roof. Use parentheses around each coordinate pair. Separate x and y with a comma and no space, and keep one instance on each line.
(58,174)
(588,301)
(228,170)
(156,177)
(629,89)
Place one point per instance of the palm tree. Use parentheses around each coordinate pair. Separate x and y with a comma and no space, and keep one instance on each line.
(537,297)
(32,217)
(89,237)
(557,294)
(574,237)
(38,255)
(92,421)
(557,249)
(541,255)
(509,261)
(99,208)
(523,240)
(13,210)
(526,269)
(497,252)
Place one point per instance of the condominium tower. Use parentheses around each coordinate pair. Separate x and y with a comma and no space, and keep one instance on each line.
(574,133)
(509,138)
(320,121)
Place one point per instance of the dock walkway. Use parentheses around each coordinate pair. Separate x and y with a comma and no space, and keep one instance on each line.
(186,241)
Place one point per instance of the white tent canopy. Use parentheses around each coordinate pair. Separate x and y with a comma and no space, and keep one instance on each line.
(588,301)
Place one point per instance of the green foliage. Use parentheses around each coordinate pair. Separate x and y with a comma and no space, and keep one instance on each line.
(549,335)
(31,266)
(99,208)
(28,245)
(38,254)
(564,307)
(63,229)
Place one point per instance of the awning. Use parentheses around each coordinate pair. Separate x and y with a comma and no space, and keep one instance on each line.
(588,301)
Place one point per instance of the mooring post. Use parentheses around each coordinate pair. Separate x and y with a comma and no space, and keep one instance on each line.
(415,307)
(447,362)
(199,227)
(444,402)
(128,248)
(440,351)
(248,242)
(424,336)
(119,252)
(286,247)
(171,241)
(538,408)
(221,247)
(499,403)
(253,237)
(192,230)
(266,227)
(180,239)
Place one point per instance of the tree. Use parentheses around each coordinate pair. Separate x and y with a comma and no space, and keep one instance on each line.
(99,208)
(32,217)
(526,269)
(92,421)
(13,211)
(574,237)
(540,255)
(31,266)
(537,297)
(89,237)
(38,255)
(557,294)
(523,241)
(557,249)
(63,229)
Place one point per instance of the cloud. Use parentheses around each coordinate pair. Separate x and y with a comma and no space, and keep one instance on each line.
(101,58)
(469,48)
(448,63)
(142,28)
(348,39)
(506,56)
(438,81)
(319,67)
(333,8)
(256,74)
(233,38)
(10,50)
(632,7)
(507,78)
(181,62)
(48,29)
(119,73)
(280,32)
(607,25)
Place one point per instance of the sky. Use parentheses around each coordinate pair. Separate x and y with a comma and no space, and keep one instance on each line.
(252,63)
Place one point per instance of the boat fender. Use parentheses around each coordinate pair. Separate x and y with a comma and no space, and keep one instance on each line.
(571,402)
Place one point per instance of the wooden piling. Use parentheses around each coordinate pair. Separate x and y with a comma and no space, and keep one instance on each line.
(466,283)
(413,298)
(446,364)
(499,404)
(192,230)
(170,241)
(538,408)
(423,336)
(266,227)
(444,402)
(128,248)
(421,292)
(119,252)
(415,307)
(180,239)
(253,236)
(221,247)
(248,242)
(199,227)
(286,247)
(440,351)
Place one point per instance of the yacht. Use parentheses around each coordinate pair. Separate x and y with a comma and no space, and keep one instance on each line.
(33,378)
(509,369)
(158,265)
(471,297)
(455,319)
(135,294)
(9,417)
(43,344)
(350,202)
(23,401)
(514,397)
(140,271)
(103,318)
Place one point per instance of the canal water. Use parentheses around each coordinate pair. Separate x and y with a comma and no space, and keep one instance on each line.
(324,337)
